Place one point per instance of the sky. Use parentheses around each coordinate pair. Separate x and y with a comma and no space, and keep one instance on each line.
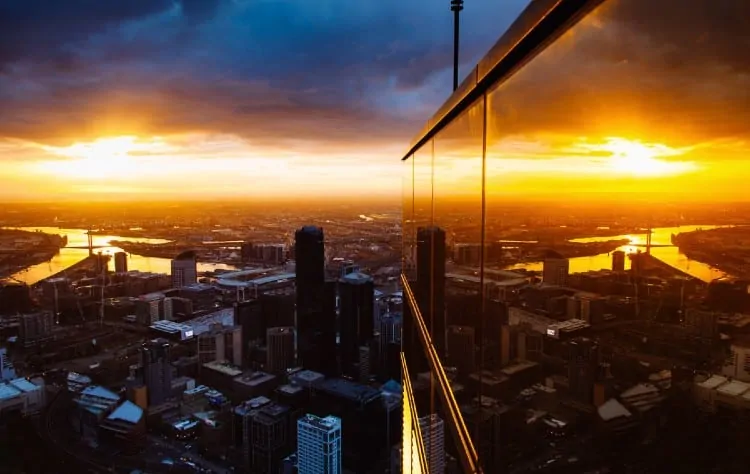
(297,99)
(213,98)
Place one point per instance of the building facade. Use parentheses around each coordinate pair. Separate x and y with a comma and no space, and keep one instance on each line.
(319,445)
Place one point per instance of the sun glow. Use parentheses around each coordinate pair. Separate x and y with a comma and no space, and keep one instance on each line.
(643,159)
(105,157)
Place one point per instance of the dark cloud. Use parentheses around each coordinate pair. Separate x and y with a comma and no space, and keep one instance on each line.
(328,72)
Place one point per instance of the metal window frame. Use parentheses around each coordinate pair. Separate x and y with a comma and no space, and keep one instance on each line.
(538,26)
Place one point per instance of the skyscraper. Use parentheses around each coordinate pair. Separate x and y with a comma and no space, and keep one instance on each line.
(309,253)
(157,372)
(555,269)
(433,435)
(618,261)
(184,269)
(280,349)
(356,291)
(430,288)
(319,445)
(583,362)
(121,262)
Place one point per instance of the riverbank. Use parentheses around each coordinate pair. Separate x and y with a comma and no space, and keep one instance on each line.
(21,249)
(171,250)
(727,249)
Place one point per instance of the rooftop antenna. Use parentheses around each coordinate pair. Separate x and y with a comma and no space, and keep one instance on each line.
(456,7)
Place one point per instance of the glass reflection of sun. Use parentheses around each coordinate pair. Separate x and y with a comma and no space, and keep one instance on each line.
(641,159)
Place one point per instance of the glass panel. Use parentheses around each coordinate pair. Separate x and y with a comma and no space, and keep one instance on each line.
(407,229)
(423,219)
(456,238)
(605,156)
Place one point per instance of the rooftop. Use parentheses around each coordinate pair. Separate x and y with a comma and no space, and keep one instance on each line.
(127,411)
(223,367)
(734,388)
(356,278)
(612,409)
(7,391)
(350,390)
(25,385)
(713,382)
(254,378)
(328,423)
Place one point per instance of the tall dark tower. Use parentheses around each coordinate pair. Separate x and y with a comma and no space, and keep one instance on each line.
(456,7)
(157,373)
(357,303)
(309,251)
(430,288)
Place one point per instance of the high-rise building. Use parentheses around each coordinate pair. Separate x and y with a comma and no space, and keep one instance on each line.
(121,262)
(280,350)
(319,445)
(157,372)
(430,287)
(35,328)
(184,269)
(555,269)
(309,253)
(270,438)
(233,350)
(583,364)
(211,345)
(432,428)
(618,261)
(356,291)
(461,343)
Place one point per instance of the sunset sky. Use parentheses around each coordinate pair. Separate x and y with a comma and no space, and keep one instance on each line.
(292,98)
(223,97)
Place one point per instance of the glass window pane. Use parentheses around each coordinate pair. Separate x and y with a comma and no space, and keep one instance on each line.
(606,156)
(456,239)
(407,228)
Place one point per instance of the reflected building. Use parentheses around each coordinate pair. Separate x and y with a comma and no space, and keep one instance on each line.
(430,284)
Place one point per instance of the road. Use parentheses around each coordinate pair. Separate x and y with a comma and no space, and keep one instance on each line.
(177,451)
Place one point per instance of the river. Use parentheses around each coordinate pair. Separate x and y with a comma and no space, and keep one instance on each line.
(660,236)
(70,255)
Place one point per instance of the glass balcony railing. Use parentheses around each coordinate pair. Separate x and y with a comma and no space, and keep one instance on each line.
(574,209)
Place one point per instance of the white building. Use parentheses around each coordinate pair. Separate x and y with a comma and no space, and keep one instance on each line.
(319,445)
(22,396)
(432,428)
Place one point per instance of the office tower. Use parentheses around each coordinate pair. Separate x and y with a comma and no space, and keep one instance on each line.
(233,350)
(149,308)
(248,315)
(319,445)
(618,261)
(279,350)
(310,281)
(461,343)
(270,438)
(184,269)
(35,328)
(211,345)
(555,269)
(356,291)
(583,363)
(121,262)
(326,336)
(157,372)
(430,287)
(433,436)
